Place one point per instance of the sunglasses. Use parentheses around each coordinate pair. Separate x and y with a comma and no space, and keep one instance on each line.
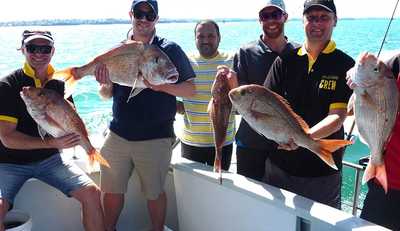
(316,19)
(150,15)
(274,15)
(41,49)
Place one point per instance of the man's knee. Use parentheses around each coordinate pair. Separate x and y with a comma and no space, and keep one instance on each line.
(88,194)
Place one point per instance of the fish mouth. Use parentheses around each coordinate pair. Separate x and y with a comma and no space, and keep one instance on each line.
(172,76)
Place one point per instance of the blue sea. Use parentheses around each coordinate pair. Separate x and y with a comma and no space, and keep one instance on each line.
(78,44)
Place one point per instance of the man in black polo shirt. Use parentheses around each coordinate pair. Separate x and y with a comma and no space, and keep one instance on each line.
(251,64)
(23,153)
(141,131)
(312,79)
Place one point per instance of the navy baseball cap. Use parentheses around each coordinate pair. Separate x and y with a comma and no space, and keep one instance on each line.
(328,5)
(152,3)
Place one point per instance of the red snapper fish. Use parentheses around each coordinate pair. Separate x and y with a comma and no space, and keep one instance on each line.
(270,115)
(219,109)
(376,103)
(128,64)
(57,117)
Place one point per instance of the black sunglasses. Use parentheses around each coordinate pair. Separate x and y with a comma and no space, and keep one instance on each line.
(41,49)
(274,15)
(150,15)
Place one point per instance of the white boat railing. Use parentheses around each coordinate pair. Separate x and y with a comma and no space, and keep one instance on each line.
(357,182)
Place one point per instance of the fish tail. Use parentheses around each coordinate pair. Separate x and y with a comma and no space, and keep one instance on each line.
(218,163)
(70,77)
(95,156)
(378,172)
(326,147)
(217,160)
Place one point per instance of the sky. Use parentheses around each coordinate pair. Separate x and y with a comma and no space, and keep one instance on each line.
(23,10)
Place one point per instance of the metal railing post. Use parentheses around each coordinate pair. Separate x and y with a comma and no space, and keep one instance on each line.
(357,184)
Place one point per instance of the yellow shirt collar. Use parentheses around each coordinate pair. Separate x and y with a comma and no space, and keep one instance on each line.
(29,71)
(331,47)
(328,49)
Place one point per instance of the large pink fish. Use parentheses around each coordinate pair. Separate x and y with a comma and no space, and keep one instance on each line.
(269,114)
(57,117)
(128,64)
(375,108)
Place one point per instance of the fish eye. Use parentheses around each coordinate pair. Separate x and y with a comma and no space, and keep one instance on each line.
(376,69)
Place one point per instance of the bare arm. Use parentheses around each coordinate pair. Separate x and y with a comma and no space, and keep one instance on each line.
(330,124)
(13,139)
(184,89)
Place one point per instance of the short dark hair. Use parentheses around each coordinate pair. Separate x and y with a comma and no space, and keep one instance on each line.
(207,21)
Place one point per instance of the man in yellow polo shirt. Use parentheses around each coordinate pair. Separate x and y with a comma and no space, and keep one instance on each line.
(23,153)
(312,79)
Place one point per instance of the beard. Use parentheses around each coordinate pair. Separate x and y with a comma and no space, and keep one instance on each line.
(275,33)
(207,50)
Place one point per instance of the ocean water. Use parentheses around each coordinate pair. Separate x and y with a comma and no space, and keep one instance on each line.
(76,45)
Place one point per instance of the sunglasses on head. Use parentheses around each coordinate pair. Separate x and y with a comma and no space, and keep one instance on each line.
(150,15)
(41,49)
(274,15)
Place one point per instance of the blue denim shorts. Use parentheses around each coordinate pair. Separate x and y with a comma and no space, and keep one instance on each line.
(55,171)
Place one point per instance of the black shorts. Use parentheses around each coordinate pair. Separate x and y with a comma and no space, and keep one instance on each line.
(206,155)
(251,162)
(380,208)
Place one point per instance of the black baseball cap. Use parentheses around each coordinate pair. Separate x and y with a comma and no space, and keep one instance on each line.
(328,5)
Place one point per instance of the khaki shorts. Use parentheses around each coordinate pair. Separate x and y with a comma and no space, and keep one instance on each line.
(150,158)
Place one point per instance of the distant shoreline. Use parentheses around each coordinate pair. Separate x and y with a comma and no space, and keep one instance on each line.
(66,22)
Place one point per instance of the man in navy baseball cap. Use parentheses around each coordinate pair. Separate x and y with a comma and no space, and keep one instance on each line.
(152,3)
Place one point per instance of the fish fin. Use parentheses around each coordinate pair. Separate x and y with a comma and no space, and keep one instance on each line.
(134,92)
(70,77)
(53,123)
(95,156)
(367,99)
(303,124)
(378,172)
(127,47)
(257,114)
(218,162)
(350,105)
(326,147)
(42,132)
(210,104)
